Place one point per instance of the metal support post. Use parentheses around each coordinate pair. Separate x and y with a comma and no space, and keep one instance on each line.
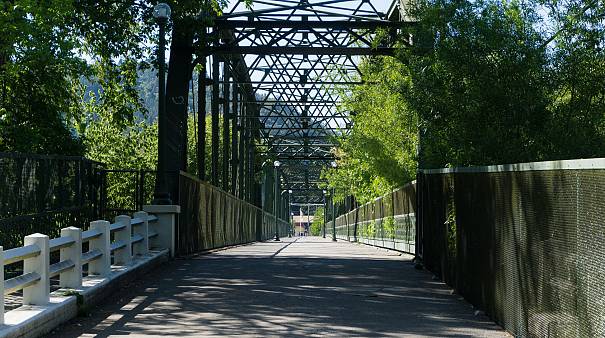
(333,216)
(234,150)
(226,132)
(276,197)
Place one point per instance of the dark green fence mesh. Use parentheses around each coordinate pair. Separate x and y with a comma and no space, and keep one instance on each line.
(211,218)
(43,193)
(528,247)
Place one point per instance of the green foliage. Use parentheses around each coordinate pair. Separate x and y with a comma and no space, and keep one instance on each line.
(318,222)
(388,224)
(118,146)
(369,229)
(485,82)
(48,47)
(192,131)
(497,87)
(379,152)
(480,91)
(38,75)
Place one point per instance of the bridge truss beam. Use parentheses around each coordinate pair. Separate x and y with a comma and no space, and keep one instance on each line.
(279,73)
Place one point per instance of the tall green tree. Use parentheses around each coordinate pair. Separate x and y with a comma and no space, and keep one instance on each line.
(318,222)
(379,152)
(39,73)
(480,78)
(47,47)
(484,82)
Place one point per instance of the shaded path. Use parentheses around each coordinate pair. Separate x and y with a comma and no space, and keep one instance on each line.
(311,287)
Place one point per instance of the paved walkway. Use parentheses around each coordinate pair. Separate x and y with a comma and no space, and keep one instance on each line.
(305,287)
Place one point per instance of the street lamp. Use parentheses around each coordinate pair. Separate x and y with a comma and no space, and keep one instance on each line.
(334,166)
(161,12)
(325,214)
(289,191)
(276,196)
(293,226)
(291,219)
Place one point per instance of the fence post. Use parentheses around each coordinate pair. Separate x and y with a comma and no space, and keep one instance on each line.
(39,292)
(142,229)
(165,226)
(103,203)
(72,278)
(123,256)
(101,266)
(141,189)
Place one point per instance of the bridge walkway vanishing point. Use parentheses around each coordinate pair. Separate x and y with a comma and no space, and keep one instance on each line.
(299,287)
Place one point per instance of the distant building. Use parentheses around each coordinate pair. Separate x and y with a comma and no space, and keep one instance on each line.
(302,223)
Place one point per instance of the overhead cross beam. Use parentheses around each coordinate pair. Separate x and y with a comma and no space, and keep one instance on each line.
(264,50)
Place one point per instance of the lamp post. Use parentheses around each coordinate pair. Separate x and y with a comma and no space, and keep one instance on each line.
(290,212)
(334,166)
(276,197)
(325,214)
(161,12)
(293,230)
(286,215)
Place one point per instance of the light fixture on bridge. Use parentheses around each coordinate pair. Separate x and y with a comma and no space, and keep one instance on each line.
(162,11)
(164,186)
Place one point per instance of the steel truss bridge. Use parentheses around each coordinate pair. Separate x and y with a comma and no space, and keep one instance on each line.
(277,72)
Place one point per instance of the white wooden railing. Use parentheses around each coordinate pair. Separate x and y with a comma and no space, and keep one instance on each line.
(131,236)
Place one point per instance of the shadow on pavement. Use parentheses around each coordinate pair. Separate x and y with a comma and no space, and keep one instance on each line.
(311,288)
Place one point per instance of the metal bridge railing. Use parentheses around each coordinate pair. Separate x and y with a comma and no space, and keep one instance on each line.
(523,242)
(212,218)
(388,221)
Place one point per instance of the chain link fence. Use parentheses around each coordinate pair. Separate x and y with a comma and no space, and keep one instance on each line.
(211,218)
(388,221)
(525,243)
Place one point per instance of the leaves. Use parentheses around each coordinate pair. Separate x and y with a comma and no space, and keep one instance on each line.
(379,152)
(48,47)
(485,82)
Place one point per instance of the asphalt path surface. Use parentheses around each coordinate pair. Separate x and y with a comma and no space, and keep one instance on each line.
(299,287)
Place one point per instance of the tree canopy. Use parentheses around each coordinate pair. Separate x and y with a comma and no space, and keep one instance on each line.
(484,82)
(52,55)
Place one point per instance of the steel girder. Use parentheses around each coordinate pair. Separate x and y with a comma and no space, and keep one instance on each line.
(289,63)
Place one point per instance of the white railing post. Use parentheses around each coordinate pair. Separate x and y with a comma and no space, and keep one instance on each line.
(102,265)
(142,248)
(165,226)
(39,292)
(2,286)
(72,278)
(123,256)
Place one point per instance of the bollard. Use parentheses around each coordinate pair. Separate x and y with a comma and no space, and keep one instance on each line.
(124,255)
(73,277)
(142,248)
(39,292)
(102,265)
